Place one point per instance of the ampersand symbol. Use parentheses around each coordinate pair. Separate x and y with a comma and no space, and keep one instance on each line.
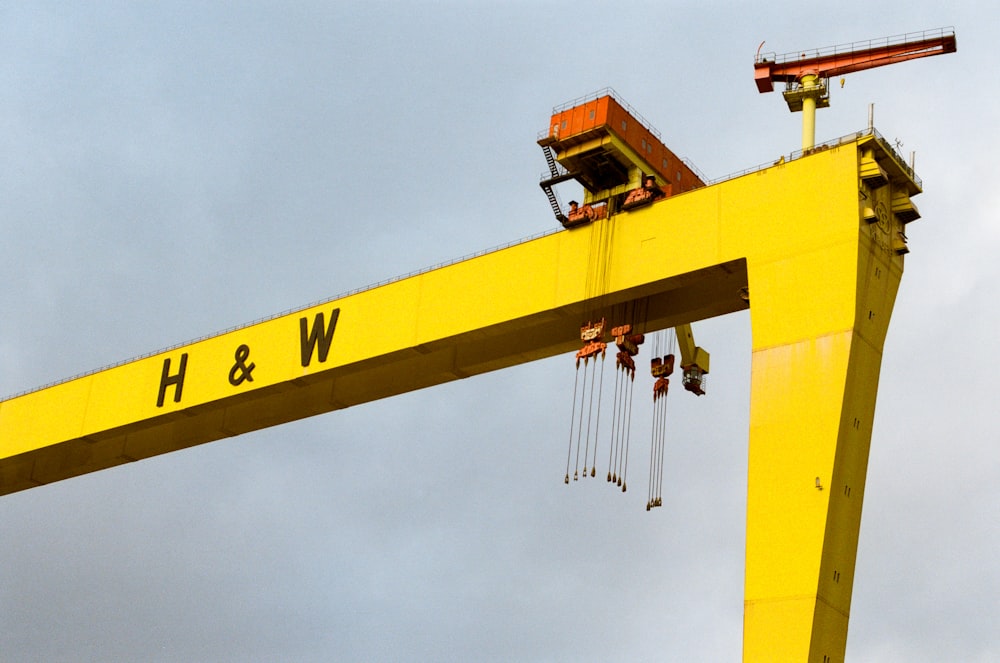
(245,370)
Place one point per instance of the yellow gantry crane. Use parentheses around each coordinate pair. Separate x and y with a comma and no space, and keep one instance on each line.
(813,245)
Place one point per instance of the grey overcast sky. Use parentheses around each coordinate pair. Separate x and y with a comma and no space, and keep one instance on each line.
(173,169)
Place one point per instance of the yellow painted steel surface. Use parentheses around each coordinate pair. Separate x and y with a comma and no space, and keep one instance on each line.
(809,112)
(815,240)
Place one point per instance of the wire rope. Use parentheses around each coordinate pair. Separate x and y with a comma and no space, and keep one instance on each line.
(579,429)
(590,415)
(572,418)
(597,424)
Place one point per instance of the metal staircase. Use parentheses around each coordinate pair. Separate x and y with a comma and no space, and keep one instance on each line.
(556,175)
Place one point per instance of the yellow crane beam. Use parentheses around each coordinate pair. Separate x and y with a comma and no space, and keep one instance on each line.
(815,244)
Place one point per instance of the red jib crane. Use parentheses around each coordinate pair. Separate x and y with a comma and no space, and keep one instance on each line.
(805,73)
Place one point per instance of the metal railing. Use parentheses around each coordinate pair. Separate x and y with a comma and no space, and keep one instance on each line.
(857,46)
(290,311)
(607,92)
(836,142)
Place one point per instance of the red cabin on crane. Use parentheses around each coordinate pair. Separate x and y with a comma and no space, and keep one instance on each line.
(620,160)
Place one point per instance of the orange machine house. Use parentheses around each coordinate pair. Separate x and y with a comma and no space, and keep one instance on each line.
(620,160)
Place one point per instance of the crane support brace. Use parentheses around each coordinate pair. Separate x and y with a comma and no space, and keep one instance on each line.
(821,273)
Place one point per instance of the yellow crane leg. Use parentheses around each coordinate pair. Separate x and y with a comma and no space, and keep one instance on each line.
(815,369)
(817,242)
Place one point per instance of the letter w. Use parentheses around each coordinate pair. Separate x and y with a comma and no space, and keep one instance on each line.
(320,335)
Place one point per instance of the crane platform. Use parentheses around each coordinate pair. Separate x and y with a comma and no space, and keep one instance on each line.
(604,144)
(600,138)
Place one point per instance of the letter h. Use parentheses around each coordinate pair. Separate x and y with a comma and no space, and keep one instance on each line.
(177,380)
